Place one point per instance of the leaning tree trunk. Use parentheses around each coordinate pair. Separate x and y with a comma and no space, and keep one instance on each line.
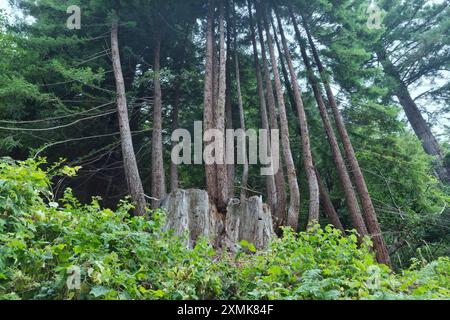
(158,177)
(133,179)
(285,73)
(314,195)
(210,170)
(327,204)
(344,177)
(280,208)
(270,180)
(222,174)
(415,118)
(294,200)
(369,211)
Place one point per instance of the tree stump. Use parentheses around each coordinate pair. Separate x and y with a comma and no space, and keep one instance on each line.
(190,212)
(250,221)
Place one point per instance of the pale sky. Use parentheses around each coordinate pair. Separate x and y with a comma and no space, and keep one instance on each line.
(4,5)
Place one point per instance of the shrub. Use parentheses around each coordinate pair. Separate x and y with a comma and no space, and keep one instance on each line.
(123,257)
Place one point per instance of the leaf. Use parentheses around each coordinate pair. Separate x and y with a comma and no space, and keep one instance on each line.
(99,291)
(17,244)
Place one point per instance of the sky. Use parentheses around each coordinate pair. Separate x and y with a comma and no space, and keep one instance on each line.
(4,5)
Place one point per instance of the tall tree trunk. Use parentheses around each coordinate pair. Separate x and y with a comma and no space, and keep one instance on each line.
(158,177)
(368,208)
(222,174)
(241,109)
(210,170)
(228,99)
(284,72)
(280,210)
(327,204)
(174,184)
(270,180)
(132,177)
(415,118)
(313,186)
(344,177)
(294,200)
(174,180)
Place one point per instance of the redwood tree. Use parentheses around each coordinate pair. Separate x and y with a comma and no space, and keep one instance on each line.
(344,177)
(132,177)
(370,216)
(210,170)
(280,208)
(294,199)
(158,176)
(276,210)
(314,201)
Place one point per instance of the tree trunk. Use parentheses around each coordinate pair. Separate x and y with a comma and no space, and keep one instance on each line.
(231,171)
(158,177)
(280,207)
(415,118)
(344,177)
(210,170)
(368,209)
(174,180)
(241,111)
(294,200)
(271,187)
(284,71)
(132,177)
(327,204)
(222,174)
(314,195)
(174,184)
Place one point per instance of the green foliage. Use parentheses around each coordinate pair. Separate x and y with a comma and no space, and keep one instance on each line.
(131,258)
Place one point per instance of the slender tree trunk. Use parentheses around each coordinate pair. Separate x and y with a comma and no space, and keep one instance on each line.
(294,201)
(280,210)
(415,118)
(327,204)
(284,72)
(210,170)
(174,184)
(132,177)
(344,177)
(314,195)
(368,209)
(174,180)
(228,99)
(241,110)
(271,187)
(158,177)
(222,174)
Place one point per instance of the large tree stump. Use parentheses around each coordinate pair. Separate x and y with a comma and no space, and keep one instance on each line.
(249,220)
(189,212)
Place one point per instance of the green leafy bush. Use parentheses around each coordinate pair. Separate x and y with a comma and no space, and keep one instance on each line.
(123,257)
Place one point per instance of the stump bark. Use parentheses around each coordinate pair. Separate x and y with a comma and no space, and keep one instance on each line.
(249,220)
(191,213)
